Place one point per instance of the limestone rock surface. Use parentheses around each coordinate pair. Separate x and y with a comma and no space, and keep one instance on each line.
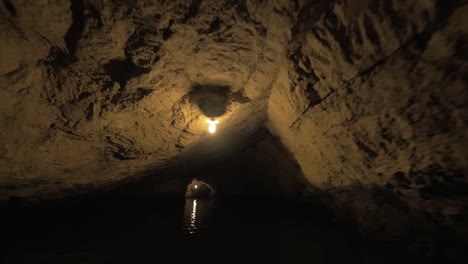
(373,105)
(96,92)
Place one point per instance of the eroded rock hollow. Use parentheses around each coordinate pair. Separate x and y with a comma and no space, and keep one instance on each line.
(369,98)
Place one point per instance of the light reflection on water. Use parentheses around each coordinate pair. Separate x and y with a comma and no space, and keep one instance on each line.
(197,215)
(193,217)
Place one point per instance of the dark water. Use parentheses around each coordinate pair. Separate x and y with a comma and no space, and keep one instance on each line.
(198,216)
(197,231)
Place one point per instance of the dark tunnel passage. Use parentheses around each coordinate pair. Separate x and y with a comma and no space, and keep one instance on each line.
(256,211)
(221,131)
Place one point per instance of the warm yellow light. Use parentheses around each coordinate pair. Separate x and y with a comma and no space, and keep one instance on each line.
(212,126)
(196,186)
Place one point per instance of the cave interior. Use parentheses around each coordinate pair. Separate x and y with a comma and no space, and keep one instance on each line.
(229,131)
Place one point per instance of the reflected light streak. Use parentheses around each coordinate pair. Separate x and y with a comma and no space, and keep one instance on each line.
(193,217)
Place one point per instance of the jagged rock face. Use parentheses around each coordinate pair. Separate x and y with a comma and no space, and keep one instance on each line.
(373,106)
(94,92)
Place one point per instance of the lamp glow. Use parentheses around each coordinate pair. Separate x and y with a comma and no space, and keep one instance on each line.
(212,126)
(196,186)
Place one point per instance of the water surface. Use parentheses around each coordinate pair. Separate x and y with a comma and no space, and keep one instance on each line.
(192,230)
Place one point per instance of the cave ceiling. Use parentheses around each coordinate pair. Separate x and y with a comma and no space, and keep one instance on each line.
(96,92)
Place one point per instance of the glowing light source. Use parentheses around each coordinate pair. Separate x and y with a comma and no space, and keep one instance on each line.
(212,126)
(196,186)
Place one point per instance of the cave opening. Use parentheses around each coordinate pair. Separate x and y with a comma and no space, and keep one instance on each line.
(238,200)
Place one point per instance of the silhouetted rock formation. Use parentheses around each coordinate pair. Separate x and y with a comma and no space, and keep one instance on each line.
(199,189)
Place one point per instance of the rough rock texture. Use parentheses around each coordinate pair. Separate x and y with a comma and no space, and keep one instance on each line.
(96,92)
(373,104)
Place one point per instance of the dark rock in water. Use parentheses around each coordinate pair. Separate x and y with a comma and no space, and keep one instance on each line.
(199,189)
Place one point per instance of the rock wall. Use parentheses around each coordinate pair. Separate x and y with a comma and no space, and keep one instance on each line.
(95,92)
(373,104)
